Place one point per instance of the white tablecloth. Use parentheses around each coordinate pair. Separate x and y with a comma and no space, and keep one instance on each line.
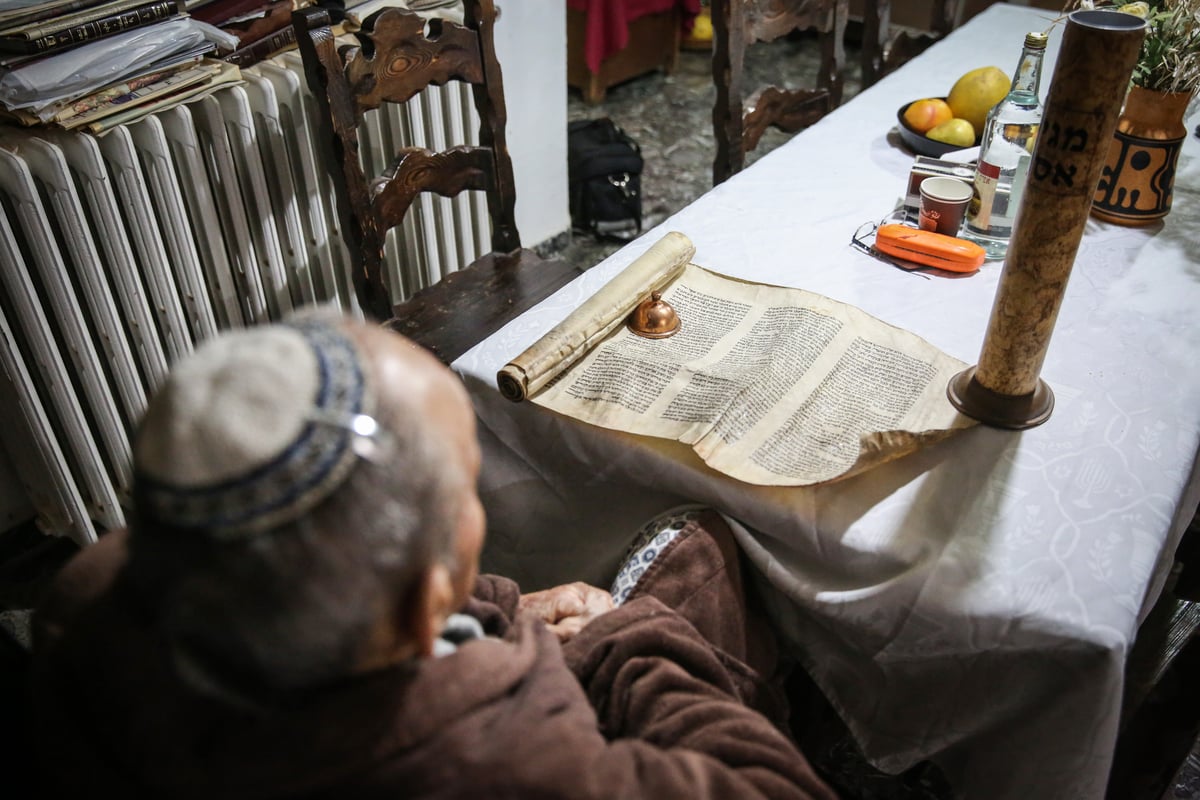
(972,603)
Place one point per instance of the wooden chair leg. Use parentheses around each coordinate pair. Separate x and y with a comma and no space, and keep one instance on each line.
(876,23)
(1188,555)
(832,77)
(1161,709)
(594,91)
(672,62)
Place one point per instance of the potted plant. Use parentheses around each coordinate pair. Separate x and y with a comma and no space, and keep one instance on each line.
(1137,181)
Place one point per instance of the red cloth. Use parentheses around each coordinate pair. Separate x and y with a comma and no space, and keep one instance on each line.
(608,21)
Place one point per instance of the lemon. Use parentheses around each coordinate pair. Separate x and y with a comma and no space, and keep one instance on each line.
(974,94)
(956,131)
(702,29)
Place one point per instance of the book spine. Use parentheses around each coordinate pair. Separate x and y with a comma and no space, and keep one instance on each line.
(43,11)
(263,48)
(64,21)
(277,17)
(222,10)
(98,29)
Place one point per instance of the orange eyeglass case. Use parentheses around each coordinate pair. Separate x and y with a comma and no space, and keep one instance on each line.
(928,248)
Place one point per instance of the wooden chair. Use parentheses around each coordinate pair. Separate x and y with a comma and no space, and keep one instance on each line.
(398,55)
(884,50)
(739,121)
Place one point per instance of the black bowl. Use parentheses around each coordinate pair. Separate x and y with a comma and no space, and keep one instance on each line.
(919,142)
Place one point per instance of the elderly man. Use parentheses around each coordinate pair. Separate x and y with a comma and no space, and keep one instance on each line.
(296,612)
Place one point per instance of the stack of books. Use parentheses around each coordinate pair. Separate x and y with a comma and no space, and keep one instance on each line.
(263,27)
(49,27)
(93,64)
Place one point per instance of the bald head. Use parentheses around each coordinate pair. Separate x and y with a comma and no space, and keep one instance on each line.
(422,391)
(415,386)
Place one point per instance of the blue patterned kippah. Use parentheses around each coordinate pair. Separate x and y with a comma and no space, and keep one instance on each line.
(254,430)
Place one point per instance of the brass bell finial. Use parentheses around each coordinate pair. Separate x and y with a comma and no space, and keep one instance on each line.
(654,318)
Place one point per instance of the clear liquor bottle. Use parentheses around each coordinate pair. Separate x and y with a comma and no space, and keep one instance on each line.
(1005,153)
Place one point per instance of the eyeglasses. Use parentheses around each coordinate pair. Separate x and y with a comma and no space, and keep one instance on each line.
(859,241)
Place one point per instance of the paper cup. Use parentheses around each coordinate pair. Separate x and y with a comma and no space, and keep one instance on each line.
(944,204)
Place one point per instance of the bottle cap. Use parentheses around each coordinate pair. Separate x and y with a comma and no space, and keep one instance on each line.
(1036,40)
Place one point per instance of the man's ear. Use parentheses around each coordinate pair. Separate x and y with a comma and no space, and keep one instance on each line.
(432,605)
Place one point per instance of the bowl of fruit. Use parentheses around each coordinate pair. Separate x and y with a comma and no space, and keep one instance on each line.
(929,128)
(934,126)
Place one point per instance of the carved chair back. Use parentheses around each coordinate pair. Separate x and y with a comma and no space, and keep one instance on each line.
(399,54)
(742,115)
(884,50)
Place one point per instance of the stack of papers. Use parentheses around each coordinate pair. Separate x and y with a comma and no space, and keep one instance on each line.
(95,63)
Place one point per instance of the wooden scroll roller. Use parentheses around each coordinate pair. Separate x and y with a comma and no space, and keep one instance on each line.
(1099,49)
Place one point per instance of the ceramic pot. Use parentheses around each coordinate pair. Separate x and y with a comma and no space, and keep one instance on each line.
(1137,180)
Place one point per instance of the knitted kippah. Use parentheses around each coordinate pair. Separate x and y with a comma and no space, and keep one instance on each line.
(252,430)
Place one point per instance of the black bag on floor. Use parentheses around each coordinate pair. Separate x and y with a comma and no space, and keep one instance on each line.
(604,171)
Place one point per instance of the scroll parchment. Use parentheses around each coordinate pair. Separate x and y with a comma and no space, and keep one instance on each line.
(587,325)
(769,385)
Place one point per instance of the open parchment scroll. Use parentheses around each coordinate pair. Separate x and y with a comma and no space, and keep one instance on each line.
(769,385)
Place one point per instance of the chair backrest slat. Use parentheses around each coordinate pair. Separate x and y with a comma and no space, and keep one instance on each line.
(885,50)
(767,20)
(418,170)
(401,60)
(740,117)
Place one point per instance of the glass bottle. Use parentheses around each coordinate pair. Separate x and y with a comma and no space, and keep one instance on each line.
(1005,153)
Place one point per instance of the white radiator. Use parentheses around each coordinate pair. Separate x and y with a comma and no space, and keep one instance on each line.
(119,253)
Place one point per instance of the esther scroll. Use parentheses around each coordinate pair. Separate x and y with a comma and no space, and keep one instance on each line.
(769,385)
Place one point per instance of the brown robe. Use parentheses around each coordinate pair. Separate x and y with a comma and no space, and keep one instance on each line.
(637,705)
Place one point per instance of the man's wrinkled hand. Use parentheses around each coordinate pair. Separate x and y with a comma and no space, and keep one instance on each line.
(566,609)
